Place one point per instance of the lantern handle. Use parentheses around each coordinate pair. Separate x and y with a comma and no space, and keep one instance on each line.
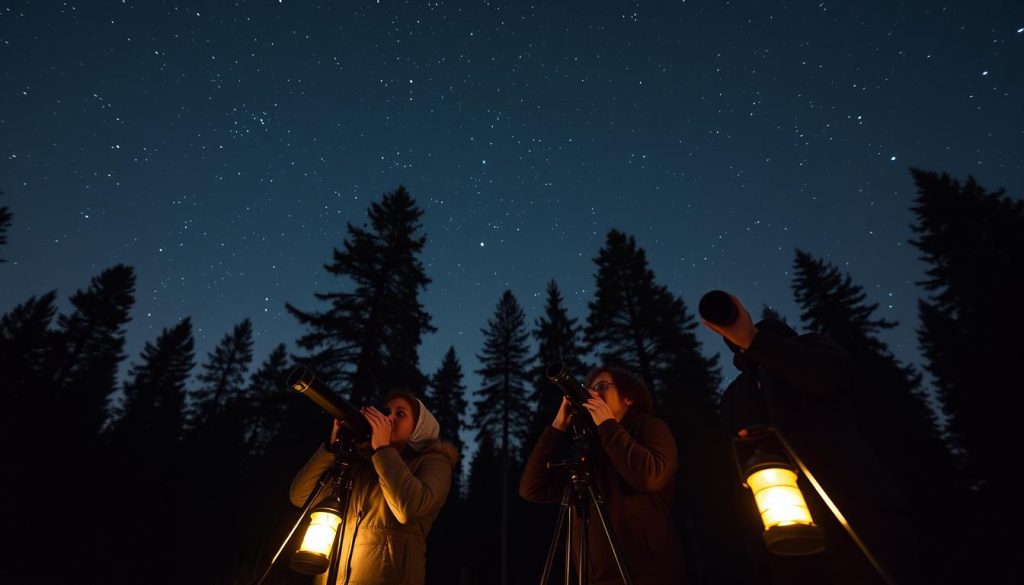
(756,432)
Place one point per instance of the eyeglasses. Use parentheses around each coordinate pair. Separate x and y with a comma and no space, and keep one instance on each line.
(601,386)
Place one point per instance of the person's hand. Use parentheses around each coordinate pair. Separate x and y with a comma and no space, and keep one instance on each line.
(380,425)
(598,408)
(740,333)
(564,416)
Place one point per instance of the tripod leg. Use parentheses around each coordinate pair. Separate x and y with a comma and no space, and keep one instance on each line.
(339,538)
(584,556)
(554,539)
(302,516)
(599,506)
(569,545)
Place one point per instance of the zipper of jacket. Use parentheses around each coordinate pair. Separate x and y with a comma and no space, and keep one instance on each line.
(351,549)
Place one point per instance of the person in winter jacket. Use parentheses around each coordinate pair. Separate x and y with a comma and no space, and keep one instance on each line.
(400,483)
(632,465)
(801,386)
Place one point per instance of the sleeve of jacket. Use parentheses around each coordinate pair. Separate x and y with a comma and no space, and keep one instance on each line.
(538,483)
(413,496)
(646,461)
(307,477)
(813,363)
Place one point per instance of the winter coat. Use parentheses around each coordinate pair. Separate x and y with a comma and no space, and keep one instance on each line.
(396,496)
(802,385)
(633,466)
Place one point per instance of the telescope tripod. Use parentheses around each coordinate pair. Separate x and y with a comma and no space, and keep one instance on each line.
(577,498)
(339,478)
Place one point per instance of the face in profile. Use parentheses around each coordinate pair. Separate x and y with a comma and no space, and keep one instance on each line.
(400,414)
(605,386)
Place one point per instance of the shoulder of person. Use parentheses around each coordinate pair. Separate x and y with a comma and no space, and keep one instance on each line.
(646,422)
(439,447)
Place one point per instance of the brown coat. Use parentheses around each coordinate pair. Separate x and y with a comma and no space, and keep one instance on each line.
(395,499)
(633,469)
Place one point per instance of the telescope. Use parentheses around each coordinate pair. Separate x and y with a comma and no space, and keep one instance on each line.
(354,425)
(558,373)
(718,307)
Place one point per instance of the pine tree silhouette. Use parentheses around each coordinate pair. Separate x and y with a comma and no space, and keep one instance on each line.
(91,348)
(889,405)
(483,510)
(447,400)
(152,415)
(267,396)
(5,222)
(367,341)
(558,340)
(502,410)
(639,324)
(222,380)
(973,243)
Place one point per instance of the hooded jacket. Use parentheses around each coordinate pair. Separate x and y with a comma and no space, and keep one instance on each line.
(396,496)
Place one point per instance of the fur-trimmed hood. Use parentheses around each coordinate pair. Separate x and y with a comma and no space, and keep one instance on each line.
(442,447)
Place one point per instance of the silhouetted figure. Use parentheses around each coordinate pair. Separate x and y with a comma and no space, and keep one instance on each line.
(800,385)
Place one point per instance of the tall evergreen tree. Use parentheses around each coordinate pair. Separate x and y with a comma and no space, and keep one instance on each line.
(447,399)
(26,356)
(973,243)
(558,340)
(888,402)
(502,410)
(367,340)
(153,412)
(91,348)
(267,395)
(483,504)
(639,324)
(5,222)
(223,377)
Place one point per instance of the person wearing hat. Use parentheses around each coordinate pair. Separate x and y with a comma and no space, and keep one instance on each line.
(399,486)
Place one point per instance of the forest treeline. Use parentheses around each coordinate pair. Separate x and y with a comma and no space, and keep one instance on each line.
(178,473)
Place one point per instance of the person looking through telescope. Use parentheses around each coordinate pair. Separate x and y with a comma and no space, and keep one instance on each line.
(400,482)
(801,386)
(632,465)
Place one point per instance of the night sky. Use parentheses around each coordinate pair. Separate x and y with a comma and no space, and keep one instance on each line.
(220,148)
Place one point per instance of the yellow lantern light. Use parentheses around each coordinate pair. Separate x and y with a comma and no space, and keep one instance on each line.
(789,529)
(314,554)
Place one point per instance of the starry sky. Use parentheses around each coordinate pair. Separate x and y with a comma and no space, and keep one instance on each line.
(221,147)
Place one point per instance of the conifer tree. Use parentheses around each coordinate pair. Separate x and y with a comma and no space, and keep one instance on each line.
(447,399)
(558,340)
(26,356)
(639,324)
(5,222)
(267,395)
(223,377)
(502,410)
(366,342)
(483,505)
(973,244)
(889,405)
(91,347)
(153,412)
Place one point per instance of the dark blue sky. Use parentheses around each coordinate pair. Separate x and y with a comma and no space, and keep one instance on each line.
(220,148)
